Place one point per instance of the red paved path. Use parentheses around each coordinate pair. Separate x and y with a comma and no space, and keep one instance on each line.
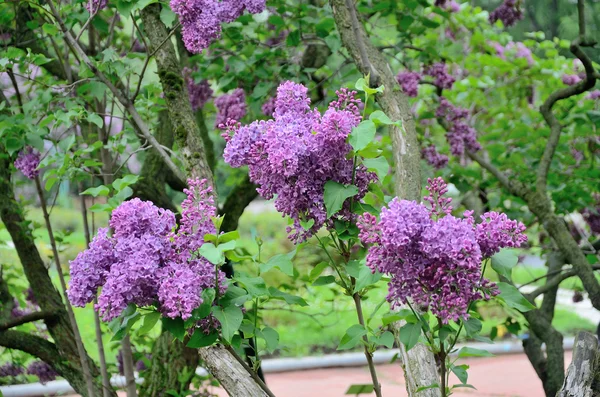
(500,376)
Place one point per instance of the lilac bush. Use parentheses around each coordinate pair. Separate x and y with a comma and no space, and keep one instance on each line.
(144,261)
(10,370)
(295,153)
(434,258)
(199,93)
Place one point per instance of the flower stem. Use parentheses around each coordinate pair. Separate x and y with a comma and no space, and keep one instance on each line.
(368,354)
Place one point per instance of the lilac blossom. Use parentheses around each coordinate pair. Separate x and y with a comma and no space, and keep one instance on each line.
(201,19)
(461,136)
(433,157)
(452,6)
(293,155)
(28,161)
(93,6)
(593,95)
(592,215)
(199,93)
(268,108)
(230,107)
(570,79)
(43,371)
(409,81)
(509,12)
(10,370)
(441,77)
(434,258)
(145,261)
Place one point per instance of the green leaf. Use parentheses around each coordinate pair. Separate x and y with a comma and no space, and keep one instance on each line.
(167,16)
(352,337)
(291,299)
(386,339)
(282,262)
(150,321)
(270,336)
(335,194)
(390,318)
(324,280)
(97,191)
(202,311)
(50,29)
(200,339)
(446,331)
(234,296)
(378,117)
(513,298)
(175,326)
(95,119)
(472,352)
(317,270)
(230,318)
(379,165)
(229,236)
(254,285)
(293,38)
(461,372)
(409,335)
(362,135)
(127,180)
(360,389)
(433,386)
(473,326)
(212,253)
(503,263)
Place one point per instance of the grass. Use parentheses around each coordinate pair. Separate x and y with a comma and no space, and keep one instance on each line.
(315,329)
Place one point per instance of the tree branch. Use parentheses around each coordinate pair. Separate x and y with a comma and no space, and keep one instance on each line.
(27,318)
(564,93)
(121,97)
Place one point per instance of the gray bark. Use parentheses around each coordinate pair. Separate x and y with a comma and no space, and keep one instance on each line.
(230,373)
(582,375)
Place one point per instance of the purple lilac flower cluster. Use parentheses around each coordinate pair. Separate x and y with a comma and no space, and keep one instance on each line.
(460,134)
(93,6)
(294,154)
(268,108)
(593,95)
(518,49)
(230,107)
(441,77)
(434,259)
(452,6)
(570,79)
(433,157)
(201,19)
(144,261)
(509,12)
(409,81)
(592,216)
(28,161)
(199,93)
(43,371)
(10,370)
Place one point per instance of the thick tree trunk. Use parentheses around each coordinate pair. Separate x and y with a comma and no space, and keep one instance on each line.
(418,363)
(233,377)
(583,375)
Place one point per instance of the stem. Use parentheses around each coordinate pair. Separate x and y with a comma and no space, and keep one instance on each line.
(333,264)
(368,354)
(128,367)
(442,355)
(80,349)
(106,387)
